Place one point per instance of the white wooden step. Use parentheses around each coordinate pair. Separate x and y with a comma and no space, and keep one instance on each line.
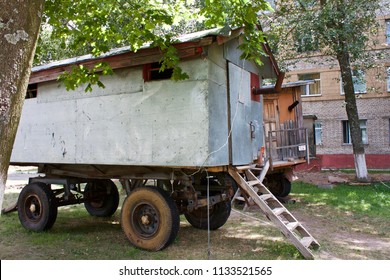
(306,241)
(265,197)
(279,210)
(252,183)
(293,225)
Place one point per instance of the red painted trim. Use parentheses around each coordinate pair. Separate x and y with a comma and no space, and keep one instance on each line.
(127,59)
(345,161)
(255,83)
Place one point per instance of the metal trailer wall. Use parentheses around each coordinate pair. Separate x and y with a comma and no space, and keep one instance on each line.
(132,122)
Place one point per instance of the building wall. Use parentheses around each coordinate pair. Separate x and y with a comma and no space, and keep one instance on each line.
(328,108)
(331,114)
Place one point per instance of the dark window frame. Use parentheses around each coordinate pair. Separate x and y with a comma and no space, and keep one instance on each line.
(151,72)
(32,91)
(347,132)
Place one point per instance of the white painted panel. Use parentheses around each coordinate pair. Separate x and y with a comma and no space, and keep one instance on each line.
(127,80)
(166,124)
(240,107)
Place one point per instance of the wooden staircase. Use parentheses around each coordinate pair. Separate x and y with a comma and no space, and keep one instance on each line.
(252,191)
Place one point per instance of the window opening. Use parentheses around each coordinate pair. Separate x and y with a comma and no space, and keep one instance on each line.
(32,91)
(311,89)
(152,72)
(347,132)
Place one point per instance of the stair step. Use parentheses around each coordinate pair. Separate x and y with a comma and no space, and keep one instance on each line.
(257,168)
(279,210)
(244,167)
(293,225)
(254,182)
(265,197)
(306,241)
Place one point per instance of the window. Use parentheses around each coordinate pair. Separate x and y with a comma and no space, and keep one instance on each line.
(388,79)
(388,31)
(359,82)
(306,42)
(347,133)
(311,89)
(32,91)
(152,72)
(268,81)
(318,133)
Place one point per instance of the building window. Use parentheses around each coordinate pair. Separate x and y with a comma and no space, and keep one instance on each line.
(347,132)
(388,31)
(152,72)
(318,133)
(32,91)
(311,89)
(306,42)
(359,82)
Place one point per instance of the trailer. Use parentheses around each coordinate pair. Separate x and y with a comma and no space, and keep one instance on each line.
(178,147)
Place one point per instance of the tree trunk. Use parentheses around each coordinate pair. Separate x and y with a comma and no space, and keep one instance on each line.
(19,28)
(353,116)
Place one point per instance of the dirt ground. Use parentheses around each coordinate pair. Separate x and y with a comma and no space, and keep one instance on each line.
(334,177)
(341,234)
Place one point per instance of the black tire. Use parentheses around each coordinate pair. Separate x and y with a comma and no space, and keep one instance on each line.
(280,186)
(101,198)
(150,219)
(37,207)
(219,214)
(285,187)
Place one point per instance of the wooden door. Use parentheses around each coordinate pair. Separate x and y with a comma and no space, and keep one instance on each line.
(271,123)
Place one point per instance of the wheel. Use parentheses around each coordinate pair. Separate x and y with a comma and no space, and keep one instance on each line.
(219,214)
(285,187)
(279,185)
(101,198)
(149,218)
(37,207)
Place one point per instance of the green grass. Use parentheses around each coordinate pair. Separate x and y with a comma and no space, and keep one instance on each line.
(370,200)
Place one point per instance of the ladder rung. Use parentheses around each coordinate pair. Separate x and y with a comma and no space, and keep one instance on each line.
(257,168)
(245,167)
(265,197)
(292,225)
(279,210)
(240,198)
(252,183)
(306,241)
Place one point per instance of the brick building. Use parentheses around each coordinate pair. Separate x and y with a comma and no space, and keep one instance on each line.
(324,108)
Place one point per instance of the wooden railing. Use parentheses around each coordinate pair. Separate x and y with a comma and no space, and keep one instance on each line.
(287,145)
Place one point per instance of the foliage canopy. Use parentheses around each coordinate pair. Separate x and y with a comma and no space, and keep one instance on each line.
(72,28)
